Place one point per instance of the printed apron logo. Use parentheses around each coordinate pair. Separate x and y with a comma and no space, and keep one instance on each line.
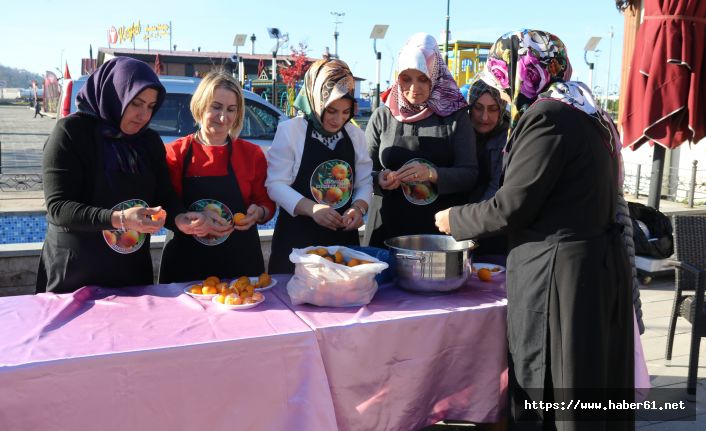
(331,183)
(215,207)
(129,241)
(420,192)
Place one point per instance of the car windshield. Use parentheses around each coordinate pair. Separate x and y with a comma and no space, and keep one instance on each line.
(259,122)
(174,117)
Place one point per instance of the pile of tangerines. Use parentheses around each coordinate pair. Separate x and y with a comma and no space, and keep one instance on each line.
(238,292)
(337,257)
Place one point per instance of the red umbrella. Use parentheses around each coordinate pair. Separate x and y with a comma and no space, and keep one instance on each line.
(666,96)
(157,65)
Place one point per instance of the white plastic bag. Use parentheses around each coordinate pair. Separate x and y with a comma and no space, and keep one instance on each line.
(321,282)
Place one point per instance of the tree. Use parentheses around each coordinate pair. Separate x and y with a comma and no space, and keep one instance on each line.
(294,73)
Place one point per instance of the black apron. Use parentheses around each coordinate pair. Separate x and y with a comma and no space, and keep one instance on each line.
(184,258)
(302,231)
(569,309)
(72,259)
(400,216)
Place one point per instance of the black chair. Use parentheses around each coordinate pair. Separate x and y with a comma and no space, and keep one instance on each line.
(690,250)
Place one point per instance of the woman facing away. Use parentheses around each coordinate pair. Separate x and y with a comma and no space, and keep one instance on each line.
(421,143)
(106,184)
(318,167)
(570,318)
(223,176)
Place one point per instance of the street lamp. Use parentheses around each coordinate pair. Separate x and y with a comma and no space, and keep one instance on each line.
(590,47)
(610,54)
(336,21)
(239,41)
(252,41)
(276,34)
(378,32)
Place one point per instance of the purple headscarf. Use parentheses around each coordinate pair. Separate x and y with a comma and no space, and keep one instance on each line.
(112,87)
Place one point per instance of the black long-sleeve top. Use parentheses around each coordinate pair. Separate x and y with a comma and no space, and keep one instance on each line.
(69,167)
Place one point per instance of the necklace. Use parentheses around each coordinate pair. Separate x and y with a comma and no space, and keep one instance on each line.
(205,142)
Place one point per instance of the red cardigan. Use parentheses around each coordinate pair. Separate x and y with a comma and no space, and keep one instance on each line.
(247,159)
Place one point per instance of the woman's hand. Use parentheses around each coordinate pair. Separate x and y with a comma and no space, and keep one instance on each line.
(442,221)
(192,223)
(388,180)
(217,225)
(327,217)
(140,219)
(254,214)
(352,219)
(415,172)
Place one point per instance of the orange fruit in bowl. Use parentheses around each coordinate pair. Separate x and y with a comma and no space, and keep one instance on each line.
(222,286)
(233,300)
(240,284)
(211,281)
(484,274)
(221,299)
(238,218)
(264,279)
(209,290)
(196,289)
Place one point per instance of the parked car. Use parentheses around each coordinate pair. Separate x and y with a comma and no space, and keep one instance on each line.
(174,118)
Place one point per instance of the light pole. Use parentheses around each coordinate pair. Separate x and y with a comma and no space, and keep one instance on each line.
(252,41)
(337,16)
(378,32)
(276,34)
(446,35)
(590,47)
(238,41)
(610,54)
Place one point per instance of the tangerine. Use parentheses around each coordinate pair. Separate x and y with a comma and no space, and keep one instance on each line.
(264,280)
(241,283)
(209,290)
(484,274)
(353,262)
(196,289)
(233,300)
(238,218)
(211,281)
(221,299)
(160,215)
(338,256)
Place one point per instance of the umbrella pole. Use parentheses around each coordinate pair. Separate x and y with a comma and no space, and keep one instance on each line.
(656,180)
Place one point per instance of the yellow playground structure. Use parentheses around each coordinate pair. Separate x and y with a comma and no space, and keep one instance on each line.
(466,59)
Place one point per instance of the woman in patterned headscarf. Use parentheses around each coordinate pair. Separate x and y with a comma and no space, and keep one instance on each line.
(318,167)
(570,320)
(421,143)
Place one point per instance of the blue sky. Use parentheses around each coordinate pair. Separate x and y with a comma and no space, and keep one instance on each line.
(40,34)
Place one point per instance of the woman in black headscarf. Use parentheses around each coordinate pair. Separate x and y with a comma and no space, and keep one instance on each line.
(106,184)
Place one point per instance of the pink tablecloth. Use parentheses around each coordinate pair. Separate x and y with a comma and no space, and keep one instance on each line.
(153,358)
(407,360)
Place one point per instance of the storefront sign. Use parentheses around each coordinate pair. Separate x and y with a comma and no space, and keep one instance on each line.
(129,33)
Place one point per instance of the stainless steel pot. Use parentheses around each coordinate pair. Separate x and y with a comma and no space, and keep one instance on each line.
(430,263)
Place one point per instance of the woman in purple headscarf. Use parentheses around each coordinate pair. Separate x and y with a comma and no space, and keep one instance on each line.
(570,317)
(421,143)
(106,184)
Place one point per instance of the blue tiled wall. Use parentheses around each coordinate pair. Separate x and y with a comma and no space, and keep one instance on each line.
(31,228)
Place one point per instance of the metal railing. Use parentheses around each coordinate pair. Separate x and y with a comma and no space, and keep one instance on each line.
(679,185)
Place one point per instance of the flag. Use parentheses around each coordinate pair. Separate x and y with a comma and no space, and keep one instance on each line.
(157,65)
(67,75)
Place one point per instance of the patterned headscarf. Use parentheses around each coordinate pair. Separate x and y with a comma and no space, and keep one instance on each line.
(325,81)
(421,53)
(531,65)
(522,64)
(479,88)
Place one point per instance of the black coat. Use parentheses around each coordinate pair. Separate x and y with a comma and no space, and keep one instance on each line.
(569,294)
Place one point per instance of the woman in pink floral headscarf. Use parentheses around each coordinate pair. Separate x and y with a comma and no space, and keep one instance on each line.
(570,318)
(422,144)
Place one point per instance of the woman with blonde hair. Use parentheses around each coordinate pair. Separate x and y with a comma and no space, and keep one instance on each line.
(223,176)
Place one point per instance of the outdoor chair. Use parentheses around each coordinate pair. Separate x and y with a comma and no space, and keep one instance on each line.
(690,265)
